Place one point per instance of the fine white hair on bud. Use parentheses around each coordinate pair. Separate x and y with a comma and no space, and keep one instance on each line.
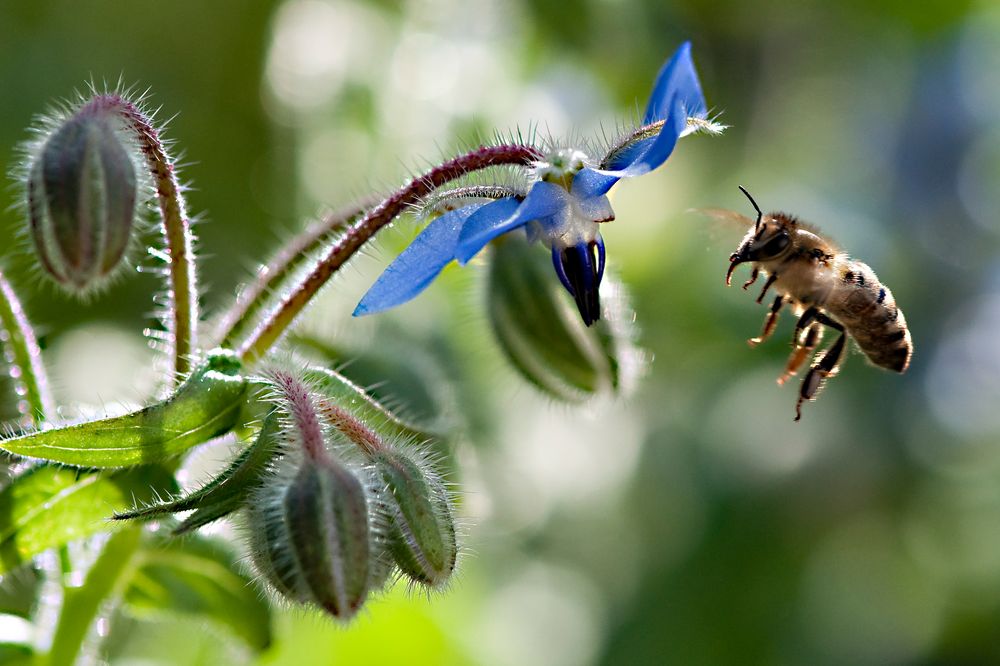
(412,501)
(84,185)
(312,530)
(697,125)
(420,518)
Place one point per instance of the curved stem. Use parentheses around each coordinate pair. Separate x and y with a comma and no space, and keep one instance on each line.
(24,358)
(176,229)
(355,429)
(265,335)
(255,295)
(105,583)
(300,407)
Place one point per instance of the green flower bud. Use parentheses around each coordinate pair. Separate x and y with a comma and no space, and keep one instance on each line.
(543,336)
(310,521)
(412,503)
(312,538)
(420,523)
(82,189)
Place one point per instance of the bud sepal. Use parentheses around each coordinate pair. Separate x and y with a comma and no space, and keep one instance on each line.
(420,521)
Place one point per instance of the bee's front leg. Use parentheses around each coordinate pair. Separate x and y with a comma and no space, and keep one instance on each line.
(767,285)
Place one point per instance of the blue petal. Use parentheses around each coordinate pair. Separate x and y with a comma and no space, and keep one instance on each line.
(625,157)
(589,182)
(503,215)
(679,79)
(650,154)
(419,263)
(676,95)
(659,149)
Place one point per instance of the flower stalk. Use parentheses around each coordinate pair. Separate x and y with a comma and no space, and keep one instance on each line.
(281,317)
(255,296)
(183,310)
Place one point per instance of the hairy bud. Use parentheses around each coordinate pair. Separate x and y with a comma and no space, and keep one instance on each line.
(545,339)
(421,527)
(310,522)
(82,189)
(413,504)
(314,544)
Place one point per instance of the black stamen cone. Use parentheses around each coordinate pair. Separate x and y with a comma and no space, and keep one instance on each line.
(583,275)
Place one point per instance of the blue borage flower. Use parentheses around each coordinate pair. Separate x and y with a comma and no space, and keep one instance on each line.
(563,207)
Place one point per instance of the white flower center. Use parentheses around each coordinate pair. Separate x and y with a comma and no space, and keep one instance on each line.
(560,166)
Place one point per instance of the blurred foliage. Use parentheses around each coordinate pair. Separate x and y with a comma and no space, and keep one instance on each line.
(695,524)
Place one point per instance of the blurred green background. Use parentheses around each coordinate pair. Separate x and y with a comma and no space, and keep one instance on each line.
(693,523)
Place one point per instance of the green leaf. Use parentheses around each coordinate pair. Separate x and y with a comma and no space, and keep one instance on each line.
(210,513)
(226,492)
(50,506)
(15,654)
(199,577)
(206,405)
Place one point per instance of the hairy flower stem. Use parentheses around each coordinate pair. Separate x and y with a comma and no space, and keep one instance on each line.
(353,428)
(303,414)
(627,141)
(265,335)
(255,295)
(693,124)
(183,309)
(24,358)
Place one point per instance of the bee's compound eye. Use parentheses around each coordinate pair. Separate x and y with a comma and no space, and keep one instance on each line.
(775,246)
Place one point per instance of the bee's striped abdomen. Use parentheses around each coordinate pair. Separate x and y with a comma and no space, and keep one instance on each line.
(868,311)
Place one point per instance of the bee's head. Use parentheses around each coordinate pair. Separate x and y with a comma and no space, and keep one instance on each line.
(768,240)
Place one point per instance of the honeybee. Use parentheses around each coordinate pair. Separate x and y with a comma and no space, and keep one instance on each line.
(826,288)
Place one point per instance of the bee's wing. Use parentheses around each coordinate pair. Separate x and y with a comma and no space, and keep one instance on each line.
(723,226)
(729,217)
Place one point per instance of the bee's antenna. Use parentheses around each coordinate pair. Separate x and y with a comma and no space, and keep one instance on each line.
(755,207)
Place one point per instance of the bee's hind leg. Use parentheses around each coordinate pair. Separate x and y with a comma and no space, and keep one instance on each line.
(769,322)
(801,351)
(807,336)
(826,367)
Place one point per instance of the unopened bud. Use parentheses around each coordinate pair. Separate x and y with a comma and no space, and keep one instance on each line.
(82,194)
(310,523)
(312,539)
(544,337)
(420,523)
